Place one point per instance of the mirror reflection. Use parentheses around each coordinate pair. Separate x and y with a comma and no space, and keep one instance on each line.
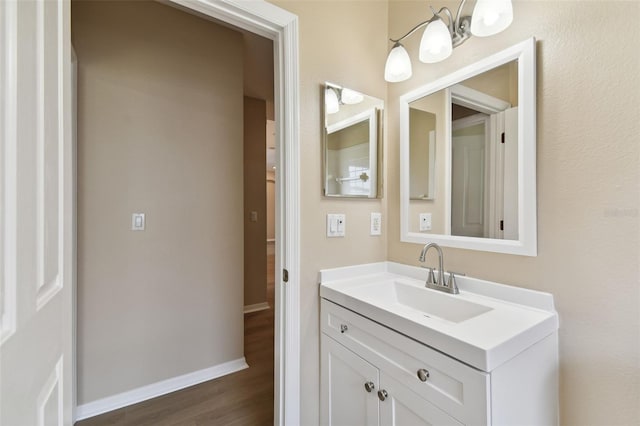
(481,113)
(476,189)
(422,149)
(351,142)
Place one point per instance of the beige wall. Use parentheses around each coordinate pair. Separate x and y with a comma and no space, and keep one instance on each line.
(500,82)
(159,132)
(337,44)
(255,200)
(588,194)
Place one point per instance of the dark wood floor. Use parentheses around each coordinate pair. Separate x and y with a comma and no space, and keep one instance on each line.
(240,399)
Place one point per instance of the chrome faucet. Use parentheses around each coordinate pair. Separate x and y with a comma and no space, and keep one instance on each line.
(450,286)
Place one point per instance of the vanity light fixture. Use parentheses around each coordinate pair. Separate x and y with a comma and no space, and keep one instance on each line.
(489,17)
(336,96)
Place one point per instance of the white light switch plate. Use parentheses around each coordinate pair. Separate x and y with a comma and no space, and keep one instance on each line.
(137,222)
(425,221)
(336,225)
(376,223)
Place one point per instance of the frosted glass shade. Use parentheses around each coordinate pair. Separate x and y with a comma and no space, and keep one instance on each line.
(398,67)
(490,17)
(331,101)
(436,44)
(351,97)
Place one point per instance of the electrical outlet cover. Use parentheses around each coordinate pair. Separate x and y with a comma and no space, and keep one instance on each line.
(376,223)
(425,221)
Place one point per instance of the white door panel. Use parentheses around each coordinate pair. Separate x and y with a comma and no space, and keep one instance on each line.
(402,407)
(36,352)
(345,402)
(467,186)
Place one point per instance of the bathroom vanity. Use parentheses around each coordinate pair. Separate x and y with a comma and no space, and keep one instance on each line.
(396,353)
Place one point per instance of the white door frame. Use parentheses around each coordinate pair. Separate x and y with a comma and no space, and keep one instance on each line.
(272,22)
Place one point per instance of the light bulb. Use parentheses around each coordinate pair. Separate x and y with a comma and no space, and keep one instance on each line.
(331,101)
(398,66)
(436,44)
(491,17)
(351,97)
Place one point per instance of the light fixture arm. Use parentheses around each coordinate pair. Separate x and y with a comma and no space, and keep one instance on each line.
(458,27)
(413,30)
(459,13)
(447,12)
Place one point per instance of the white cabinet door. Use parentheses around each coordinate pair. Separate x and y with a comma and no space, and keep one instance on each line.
(35,213)
(345,401)
(400,406)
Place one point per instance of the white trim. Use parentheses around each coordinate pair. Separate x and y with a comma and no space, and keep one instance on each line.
(479,101)
(256,307)
(160,388)
(287,332)
(350,121)
(10,171)
(526,244)
(268,20)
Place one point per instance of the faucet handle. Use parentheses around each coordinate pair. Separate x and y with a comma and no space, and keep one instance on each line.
(431,278)
(451,283)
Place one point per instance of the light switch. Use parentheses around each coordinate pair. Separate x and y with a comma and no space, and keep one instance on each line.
(376,223)
(137,222)
(336,225)
(425,221)
(254,216)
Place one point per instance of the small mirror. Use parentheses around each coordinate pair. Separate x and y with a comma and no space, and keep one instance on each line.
(470,138)
(351,142)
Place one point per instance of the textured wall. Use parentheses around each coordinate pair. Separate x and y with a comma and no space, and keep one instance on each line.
(343,42)
(588,191)
(159,132)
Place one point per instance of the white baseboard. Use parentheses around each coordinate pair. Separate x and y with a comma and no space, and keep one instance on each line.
(256,307)
(153,390)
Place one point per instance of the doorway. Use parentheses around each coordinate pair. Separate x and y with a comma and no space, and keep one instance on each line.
(279,257)
(38,343)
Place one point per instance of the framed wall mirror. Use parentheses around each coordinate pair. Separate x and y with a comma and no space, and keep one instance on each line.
(352,140)
(468,156)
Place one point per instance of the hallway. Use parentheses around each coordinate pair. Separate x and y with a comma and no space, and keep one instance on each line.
(240,399)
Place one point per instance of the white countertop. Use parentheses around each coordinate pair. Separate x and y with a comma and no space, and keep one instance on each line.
(516,318)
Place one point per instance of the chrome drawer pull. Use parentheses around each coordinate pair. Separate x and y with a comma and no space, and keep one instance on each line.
(382,395)
(369,386)
(423,375)
(343,328)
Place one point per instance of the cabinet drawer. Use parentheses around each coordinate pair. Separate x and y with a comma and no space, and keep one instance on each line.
(454,387)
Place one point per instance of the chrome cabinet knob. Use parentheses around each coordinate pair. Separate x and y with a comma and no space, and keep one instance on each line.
(369,386)
(343,328)
(382,395)
(423,375)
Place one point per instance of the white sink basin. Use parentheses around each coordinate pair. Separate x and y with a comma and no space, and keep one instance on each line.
(484,326)
(429,303)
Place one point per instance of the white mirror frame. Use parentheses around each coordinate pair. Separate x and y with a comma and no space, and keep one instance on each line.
(526,245)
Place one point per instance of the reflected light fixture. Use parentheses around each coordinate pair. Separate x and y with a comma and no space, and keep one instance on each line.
(334,96)
(331,100)
(489,17)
